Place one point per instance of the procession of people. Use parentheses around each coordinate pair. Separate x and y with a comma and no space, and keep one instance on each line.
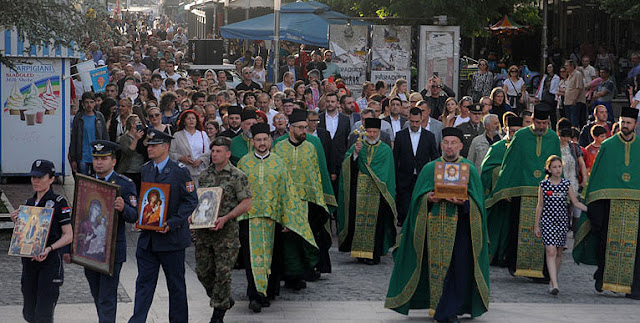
(366,177)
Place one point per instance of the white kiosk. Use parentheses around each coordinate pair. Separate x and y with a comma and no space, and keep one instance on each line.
(35,102)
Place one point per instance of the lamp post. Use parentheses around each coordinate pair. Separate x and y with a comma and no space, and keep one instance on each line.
(545,13)
(276,43)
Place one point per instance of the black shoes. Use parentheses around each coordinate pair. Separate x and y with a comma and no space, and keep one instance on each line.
(554,291)
(598,286)
(218,314)
(256,306)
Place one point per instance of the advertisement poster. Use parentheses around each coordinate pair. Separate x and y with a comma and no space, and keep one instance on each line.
(99,79)
(391,54)
(33,121)
(441,48)
(349,46)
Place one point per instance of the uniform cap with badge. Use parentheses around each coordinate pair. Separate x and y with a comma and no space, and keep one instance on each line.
(41,167)
(475,108)
(157,137)
(101,148)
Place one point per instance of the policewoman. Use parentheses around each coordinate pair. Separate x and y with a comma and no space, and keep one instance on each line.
(43,274)
(165,248)
(104,288)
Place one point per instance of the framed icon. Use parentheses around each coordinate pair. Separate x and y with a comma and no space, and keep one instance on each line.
(206,213)
(152,209)
(31,231)
(95,223)
(451,180)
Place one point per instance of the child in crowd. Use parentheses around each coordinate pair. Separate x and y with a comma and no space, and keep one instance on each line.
(552,216)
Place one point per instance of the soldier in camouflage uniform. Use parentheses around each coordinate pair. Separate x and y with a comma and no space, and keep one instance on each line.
(217,247)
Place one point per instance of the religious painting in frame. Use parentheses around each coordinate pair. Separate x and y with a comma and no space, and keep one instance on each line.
(206,213)
(152,206)
(30,231)
(451,180)
(95,224)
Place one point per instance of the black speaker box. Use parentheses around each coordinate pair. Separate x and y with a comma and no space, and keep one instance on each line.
(206,51)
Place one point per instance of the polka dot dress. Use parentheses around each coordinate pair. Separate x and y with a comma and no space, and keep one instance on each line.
(554,221)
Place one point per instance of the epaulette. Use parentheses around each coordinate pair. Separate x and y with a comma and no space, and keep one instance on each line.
(59,198)
(147,163)
(125,178)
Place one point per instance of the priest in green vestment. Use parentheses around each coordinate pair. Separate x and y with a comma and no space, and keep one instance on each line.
(441,261)
(366,197)
(520,175)
(276,207)
(241,145)
(307,166)
(608,233)
(498,217)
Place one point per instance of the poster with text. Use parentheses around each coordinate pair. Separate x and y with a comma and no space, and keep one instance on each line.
(34,121)
(391,54)
(350,48)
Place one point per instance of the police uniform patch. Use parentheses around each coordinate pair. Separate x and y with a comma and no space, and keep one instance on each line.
(190,186)
(133,201)
(66,209)
(38,162)
(49,203)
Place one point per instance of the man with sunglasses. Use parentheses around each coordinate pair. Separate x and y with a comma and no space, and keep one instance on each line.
(435,97)
(247,83)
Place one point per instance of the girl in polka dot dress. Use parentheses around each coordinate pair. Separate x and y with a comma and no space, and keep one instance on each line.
(552,216)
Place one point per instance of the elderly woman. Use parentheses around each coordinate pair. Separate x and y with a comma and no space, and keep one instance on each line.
(190,145)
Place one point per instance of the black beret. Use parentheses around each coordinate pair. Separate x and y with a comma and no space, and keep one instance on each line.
(297,115)
(451,131)
(372,123)
(260,128)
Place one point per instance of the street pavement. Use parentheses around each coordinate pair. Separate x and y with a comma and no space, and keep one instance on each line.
(352,293)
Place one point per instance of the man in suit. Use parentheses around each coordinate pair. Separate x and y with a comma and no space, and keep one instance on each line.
(166,247)
(414,147)
(290,67)
(394,118)
(338,126)
(313,118)
(471,128)
(348,106)
(430,123)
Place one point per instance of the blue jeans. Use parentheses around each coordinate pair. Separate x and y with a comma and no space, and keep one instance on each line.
(85,168)
(572,112)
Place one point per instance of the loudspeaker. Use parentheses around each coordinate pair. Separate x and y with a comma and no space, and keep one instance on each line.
(206,51)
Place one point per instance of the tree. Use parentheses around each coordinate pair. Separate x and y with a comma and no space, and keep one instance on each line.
(625,9)
(472,15)
(57,22)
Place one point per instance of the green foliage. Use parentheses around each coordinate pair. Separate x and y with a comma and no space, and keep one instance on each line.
(472,15)
(625,9)
(60,22)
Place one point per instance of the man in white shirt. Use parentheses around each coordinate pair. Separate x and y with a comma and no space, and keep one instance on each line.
(588,71)
(262,103)
(397,121)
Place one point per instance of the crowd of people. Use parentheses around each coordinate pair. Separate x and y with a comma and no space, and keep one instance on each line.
(300,158)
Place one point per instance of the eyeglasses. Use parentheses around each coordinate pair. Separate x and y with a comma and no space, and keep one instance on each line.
(280,119)
(301,127)
(155,115)
(513,71)
(313,120)
(482,64)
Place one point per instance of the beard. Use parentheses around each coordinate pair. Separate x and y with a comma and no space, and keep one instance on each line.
(301,137)
(372,141)
(626,131)
(538,132)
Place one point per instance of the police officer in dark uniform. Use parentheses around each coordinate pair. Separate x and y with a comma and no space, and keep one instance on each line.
(104,288)
(43,274)
(165,248)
